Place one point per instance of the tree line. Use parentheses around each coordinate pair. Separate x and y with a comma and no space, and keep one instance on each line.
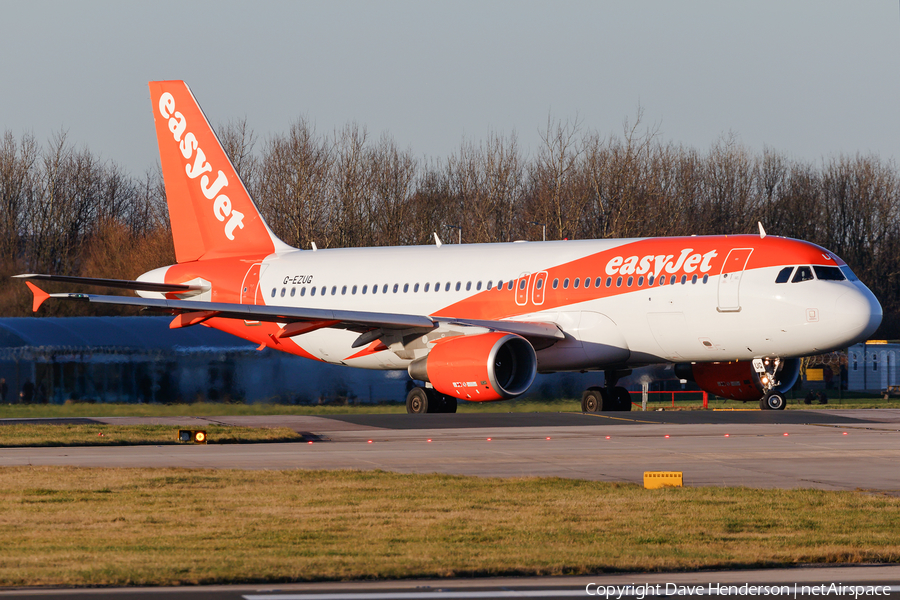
(62,210)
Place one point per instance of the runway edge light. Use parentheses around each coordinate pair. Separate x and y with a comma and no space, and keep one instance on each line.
(196,436)
(659,479)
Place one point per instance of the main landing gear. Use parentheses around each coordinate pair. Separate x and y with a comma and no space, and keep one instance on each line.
(428,400)
(611,397)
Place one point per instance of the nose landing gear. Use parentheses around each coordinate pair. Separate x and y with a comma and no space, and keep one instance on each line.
(775,376)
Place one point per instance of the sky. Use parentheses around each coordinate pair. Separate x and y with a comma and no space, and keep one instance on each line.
(811,79)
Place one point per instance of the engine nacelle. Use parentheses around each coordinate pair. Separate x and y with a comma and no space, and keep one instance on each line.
(739,380)
(488,366)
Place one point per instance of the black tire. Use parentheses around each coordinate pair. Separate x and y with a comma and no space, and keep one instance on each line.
(417,401)
(449,403)
(593,400)
(622,398)
(772,401)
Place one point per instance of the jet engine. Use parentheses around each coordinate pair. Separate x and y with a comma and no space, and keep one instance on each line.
(742,380)
(483,367)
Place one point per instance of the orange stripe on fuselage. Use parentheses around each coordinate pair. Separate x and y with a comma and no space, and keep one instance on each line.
(684,256)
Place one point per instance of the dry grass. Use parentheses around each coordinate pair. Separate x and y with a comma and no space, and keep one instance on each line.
(29,435)
(66,526)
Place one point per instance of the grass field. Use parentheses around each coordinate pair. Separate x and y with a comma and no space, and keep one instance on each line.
(31,435)
(211,409)
(84,527)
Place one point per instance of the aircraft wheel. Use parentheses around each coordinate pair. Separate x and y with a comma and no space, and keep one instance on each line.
(593,400)
(622,398)
(772,401)
(449,403)
(417,401)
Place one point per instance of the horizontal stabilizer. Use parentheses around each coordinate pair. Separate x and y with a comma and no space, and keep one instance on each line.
(126,284)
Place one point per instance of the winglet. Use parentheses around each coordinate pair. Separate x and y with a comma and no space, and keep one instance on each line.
(39,296)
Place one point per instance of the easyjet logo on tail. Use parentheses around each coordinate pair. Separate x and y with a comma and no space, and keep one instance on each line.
(187,143)
(687,260)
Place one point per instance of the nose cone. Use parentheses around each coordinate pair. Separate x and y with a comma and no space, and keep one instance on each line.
(859,314)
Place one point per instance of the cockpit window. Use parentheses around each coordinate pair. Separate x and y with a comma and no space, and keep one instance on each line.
(802,274)
(850,275)
(784,275)
(828,273)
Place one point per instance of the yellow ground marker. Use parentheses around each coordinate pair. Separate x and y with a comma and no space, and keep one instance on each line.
(658,479)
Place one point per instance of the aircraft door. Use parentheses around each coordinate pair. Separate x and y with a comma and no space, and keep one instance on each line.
(522,289)
(730,279)
(537,288)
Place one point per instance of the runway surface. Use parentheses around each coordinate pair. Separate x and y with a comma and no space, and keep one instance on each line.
(810,582)
(834,449)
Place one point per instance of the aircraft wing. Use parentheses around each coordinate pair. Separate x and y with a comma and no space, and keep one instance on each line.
(369,324)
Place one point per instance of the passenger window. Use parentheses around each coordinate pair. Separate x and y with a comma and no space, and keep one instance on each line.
(598,282)
(609,282)
(344,291)
(416,288)
(784,275)
(468,286)
(375,289)
(828,273)
(365,289)
(499,285)
(405,288)
(427,285)
(683,279)
(396,287)
(576,282)
(587,282)
(294,290)
(384,289)
(555,283)
(509,285)
(353,291)
(693,280)
(490,284)
(478,286)
(333,290)
(566,283)
(802,274)
(641,281)
(437,286)
(619,282)
(650,280)
(673,280)
(273,292)
(630,281)
(705,278)
(540,283)
(447,287)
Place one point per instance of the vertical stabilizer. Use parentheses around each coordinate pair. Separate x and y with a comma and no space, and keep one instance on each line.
(212,214)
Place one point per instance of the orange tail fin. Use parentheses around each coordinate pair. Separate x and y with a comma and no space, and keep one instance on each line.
(212,214)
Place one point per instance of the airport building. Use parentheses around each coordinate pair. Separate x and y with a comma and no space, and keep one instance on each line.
(139,359)
(872,366)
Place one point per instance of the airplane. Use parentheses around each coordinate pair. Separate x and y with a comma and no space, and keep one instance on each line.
(477,322)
